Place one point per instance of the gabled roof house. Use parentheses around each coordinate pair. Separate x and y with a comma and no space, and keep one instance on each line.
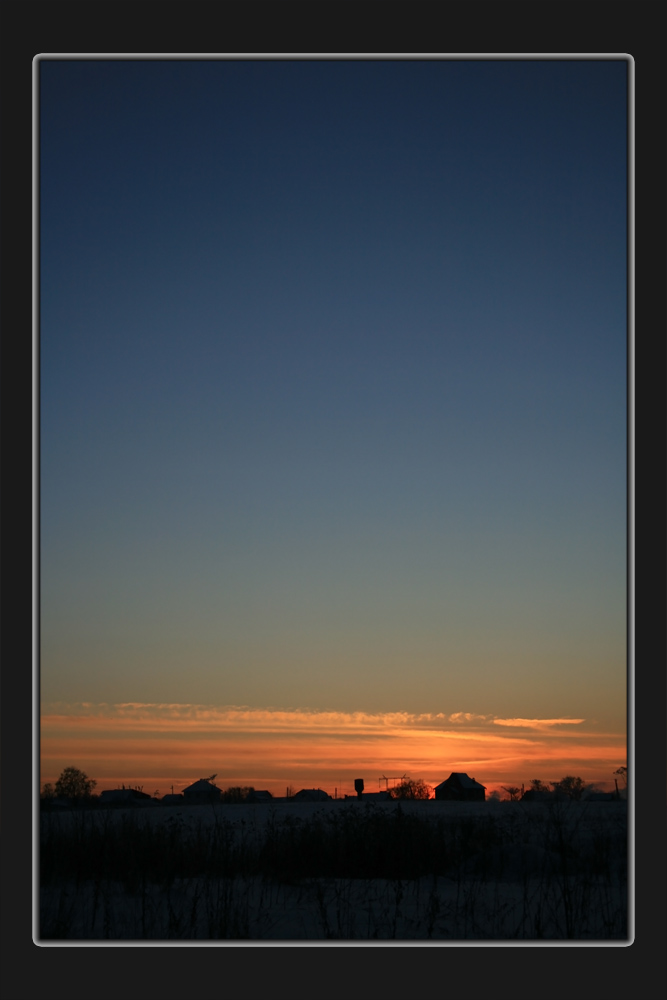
(201,791)
(459,787)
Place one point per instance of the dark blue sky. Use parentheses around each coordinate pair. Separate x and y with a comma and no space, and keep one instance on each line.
(333,384)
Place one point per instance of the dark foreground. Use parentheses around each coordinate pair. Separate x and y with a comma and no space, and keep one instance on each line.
(416,872)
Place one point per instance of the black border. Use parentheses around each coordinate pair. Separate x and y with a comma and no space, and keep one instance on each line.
(28,28)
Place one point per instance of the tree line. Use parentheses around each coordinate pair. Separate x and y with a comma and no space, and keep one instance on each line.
(569,787)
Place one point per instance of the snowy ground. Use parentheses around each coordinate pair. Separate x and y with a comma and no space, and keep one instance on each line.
(548,875)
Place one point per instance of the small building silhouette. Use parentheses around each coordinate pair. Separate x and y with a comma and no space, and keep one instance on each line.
(172,799)
(538,795)
(459,787)
(382,796)
(124,797)
(311,795)
(257,795)
(201,792)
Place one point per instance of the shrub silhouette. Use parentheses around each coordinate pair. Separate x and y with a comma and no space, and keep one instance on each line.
(410,789)
(73,784)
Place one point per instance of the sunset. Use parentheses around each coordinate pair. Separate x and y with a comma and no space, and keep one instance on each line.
(333,469)
(165,746)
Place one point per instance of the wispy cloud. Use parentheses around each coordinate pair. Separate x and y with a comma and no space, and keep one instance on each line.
(171,717)
(537,723)
(468,717)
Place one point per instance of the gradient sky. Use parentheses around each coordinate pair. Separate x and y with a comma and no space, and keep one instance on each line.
(333,418)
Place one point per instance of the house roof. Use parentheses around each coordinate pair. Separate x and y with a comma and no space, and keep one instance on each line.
(461,779)
(201,786)
(311,793)
(121,794)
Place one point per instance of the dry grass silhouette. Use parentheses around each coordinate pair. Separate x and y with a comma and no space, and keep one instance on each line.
(394,871)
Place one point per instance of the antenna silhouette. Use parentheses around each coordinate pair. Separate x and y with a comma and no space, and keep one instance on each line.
(392,777)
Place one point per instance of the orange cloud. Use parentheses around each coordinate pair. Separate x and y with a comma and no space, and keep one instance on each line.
(174,743)
(537,723)
(170,717)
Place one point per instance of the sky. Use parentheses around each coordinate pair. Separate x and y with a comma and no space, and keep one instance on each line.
(333,362)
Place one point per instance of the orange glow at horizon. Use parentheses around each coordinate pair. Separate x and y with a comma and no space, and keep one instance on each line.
(164,745)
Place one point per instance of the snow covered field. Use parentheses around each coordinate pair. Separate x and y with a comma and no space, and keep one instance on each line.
(427,871)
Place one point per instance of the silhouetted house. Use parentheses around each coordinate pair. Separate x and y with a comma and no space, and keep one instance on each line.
(124,797)
(538,795)
(171,800)
(201,792)
(259,796)
(545,795)
(311,795)
(458,787)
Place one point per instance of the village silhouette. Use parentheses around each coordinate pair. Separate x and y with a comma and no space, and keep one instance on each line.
(74,787)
